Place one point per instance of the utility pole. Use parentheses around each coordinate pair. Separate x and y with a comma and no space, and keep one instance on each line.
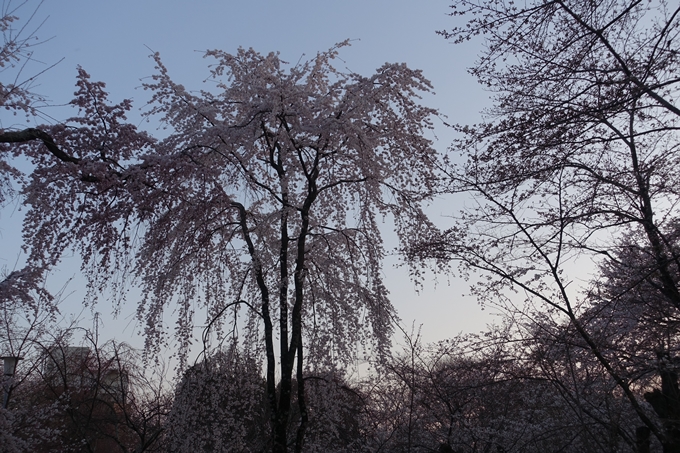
(10,366)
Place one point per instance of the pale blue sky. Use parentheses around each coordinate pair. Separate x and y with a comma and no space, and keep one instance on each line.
(111,40)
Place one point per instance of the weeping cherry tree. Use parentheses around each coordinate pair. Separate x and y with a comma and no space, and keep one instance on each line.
(262,207)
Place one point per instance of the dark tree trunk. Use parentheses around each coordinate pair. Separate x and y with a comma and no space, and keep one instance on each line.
(642,435)
(666,404)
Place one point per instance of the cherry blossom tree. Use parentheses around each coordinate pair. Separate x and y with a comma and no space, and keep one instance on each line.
(338,417)
(266,197)
(579,152)
(633,322)
(19,101)
(496,392)
(23,328)
(219,405)
(85,398)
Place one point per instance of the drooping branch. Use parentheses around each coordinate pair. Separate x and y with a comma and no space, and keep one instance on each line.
(31,134)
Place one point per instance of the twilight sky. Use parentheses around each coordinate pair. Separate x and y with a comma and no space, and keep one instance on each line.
(112,41)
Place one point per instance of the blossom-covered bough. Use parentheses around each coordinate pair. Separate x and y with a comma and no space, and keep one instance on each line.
(262,206)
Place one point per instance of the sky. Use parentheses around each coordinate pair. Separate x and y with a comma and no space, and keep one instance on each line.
(112,40)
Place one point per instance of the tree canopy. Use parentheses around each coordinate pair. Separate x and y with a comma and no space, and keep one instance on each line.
(576,169)
(266,196)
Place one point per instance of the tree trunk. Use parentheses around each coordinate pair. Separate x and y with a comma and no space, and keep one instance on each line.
(642,435)
(666,404)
